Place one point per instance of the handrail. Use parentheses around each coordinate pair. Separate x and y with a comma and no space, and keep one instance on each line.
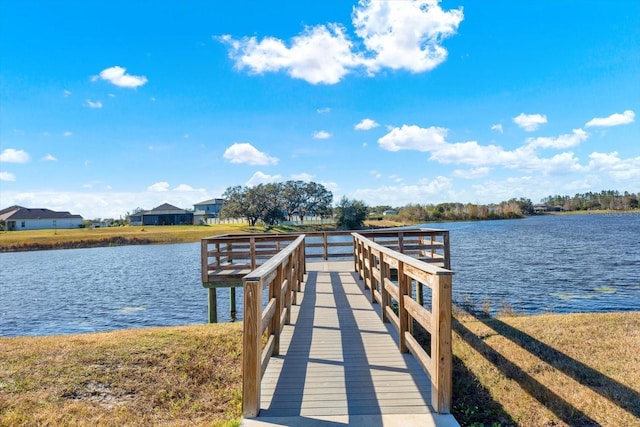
(244,252)
(283,274)
(374,263)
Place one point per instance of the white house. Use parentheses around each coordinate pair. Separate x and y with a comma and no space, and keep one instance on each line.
(20,218)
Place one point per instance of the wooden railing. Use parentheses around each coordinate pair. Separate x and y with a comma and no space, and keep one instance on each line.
(282,274)
(377,266)
(224,255)
(277,261)
(225,259)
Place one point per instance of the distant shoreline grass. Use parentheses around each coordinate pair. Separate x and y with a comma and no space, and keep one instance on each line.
(544,370)
(33,240)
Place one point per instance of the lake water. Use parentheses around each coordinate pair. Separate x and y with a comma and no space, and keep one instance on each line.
(561,264)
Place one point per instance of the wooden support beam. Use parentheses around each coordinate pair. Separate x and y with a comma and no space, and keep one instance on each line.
(252,349)
(441,351)
(213,309)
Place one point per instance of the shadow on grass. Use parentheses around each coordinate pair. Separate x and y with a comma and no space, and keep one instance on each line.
(612,390)
(472,402)
(556,404)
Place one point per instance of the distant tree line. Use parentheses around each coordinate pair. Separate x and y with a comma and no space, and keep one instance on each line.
(276,202)
(606,199)
(513,208)
(416,213)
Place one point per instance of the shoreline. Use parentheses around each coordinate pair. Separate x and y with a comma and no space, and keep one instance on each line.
(50,239)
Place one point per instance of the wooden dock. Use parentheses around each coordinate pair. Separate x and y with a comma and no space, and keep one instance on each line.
(339,364)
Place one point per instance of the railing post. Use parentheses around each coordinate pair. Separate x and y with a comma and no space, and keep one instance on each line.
(447,250)
(384,271)
(204,260)
(325,248)
(252,252)
(291,283)
(403,285)
(441,351)
(252,349)
(276,292)
(355,253)
(372,279)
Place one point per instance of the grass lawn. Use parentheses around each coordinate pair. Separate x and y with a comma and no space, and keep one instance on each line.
(113,236)
(549,370)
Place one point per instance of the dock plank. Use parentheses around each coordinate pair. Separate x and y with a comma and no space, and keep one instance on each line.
(338,361)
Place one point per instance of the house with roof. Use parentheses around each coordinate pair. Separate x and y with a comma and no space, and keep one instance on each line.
(164,214)
(207,209)
(21,218)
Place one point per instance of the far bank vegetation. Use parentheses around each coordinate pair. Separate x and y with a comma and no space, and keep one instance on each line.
(514,208)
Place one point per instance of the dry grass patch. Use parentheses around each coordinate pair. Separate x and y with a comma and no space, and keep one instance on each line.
(160,376)
(550,370)
(88,237)
(29,240)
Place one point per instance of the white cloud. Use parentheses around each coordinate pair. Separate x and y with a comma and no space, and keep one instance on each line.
(324,110)
(49,158)
(497,128)
(302,176)
(560,142)
(262,178)
(185,187)
(118,76)
(11,155)
(613,120)
(321,135)
(397,35)
(530,122)
(366,124)
(67,133)
(159,186)
(413,138)
(375,174)
(66,93)
(330,185)
(398,195)
(248,154)
(404,35)
(472,173)
(560,164)
(320,54)
(92,104)
(619,169)
(7,176)
(505,189)
(433,140)
(472,153)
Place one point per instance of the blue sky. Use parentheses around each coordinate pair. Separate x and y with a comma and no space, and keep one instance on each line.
(110,106)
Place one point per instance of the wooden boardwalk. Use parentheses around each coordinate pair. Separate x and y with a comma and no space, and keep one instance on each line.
(339,364)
